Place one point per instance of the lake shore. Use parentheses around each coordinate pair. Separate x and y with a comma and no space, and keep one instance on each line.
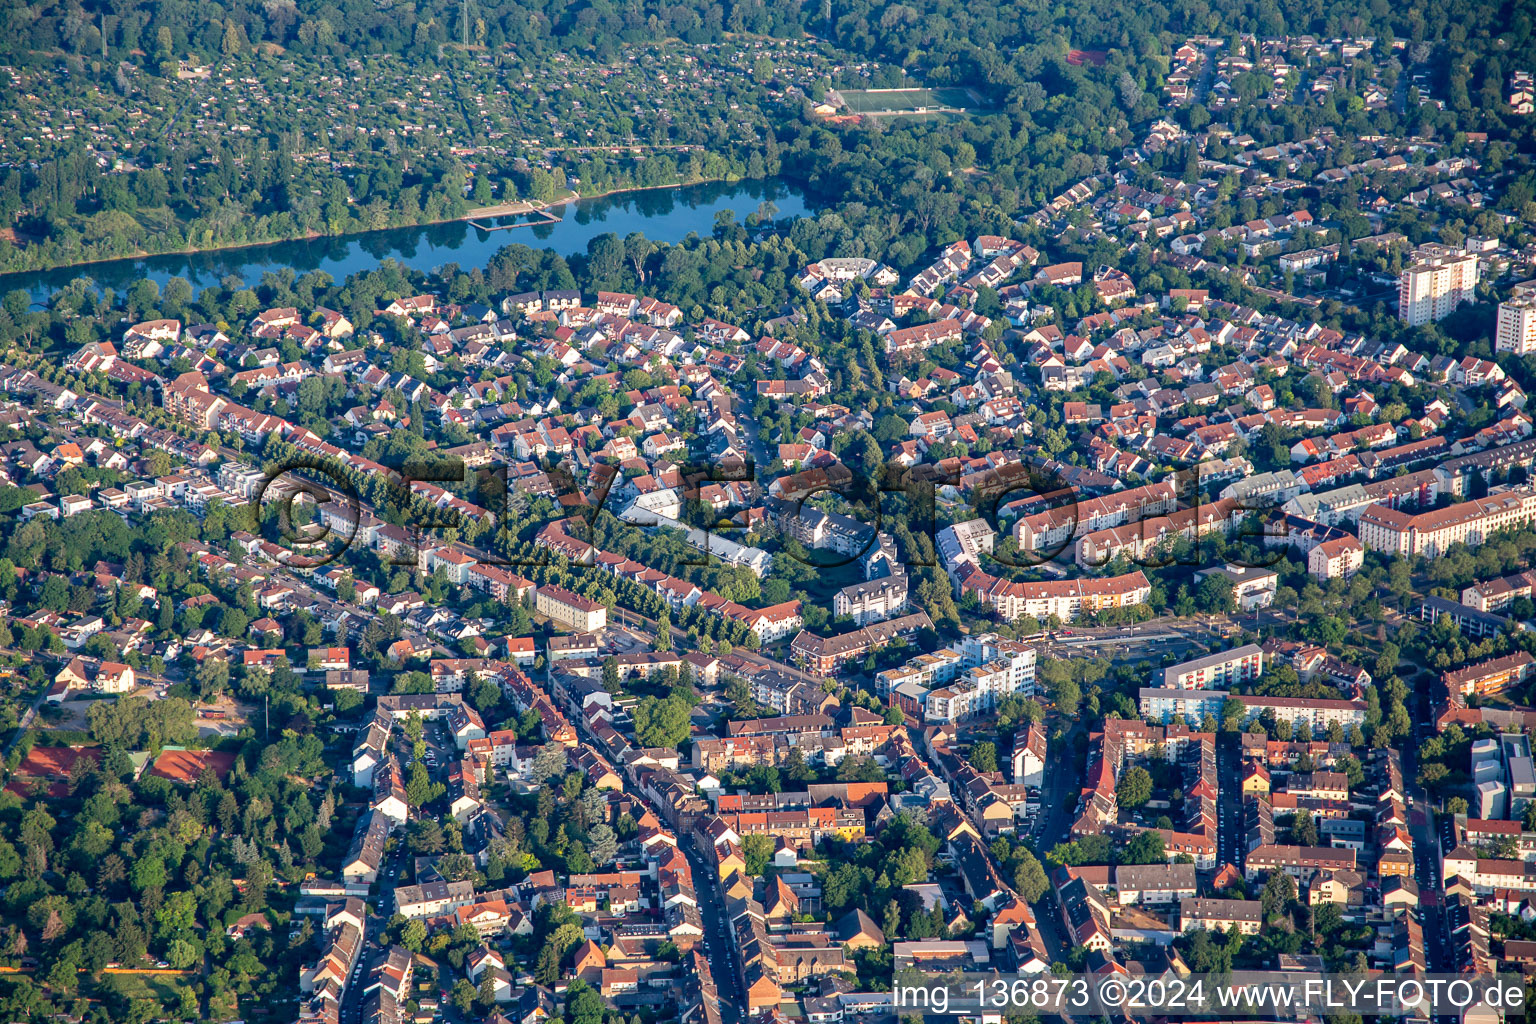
(566,225)
(517,209)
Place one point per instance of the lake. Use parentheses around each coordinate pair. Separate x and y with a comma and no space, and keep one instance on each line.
(662,215)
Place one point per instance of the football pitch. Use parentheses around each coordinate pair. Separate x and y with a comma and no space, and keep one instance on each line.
(898,101)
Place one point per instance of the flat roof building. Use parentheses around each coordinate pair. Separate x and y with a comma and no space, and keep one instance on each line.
(1220,671)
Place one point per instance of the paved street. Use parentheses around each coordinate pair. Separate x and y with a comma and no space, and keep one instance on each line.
(27,720)
(384,907)
(1229,803)
(719,944)
(625,617)
(1428,849)
(750,432)
(1058,790)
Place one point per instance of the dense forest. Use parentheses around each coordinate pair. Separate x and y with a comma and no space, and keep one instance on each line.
(1047,116)
(1000,44)
(363,26)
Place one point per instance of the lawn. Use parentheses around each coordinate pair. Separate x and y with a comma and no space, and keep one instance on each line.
(895,101)
(161,989)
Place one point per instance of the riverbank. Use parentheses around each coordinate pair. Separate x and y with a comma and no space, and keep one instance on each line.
(520,208)
(567,225)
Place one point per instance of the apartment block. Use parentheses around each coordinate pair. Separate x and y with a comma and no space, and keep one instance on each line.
(1497,594)
(1469,620)
(950,685)
(1431,533)
(1317,713)
(1301,862)
(1516,330)
(826,655)
(573,610)
(1164,706)
(1431,289)
(872,600)
(1335,559)
(1065,599)
(1055,528)
(975,692)
(1519,772)
(1492,676)
(1221,915)
(1220,671)
(1487,875)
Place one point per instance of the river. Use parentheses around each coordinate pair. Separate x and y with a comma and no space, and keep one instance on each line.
(662,215)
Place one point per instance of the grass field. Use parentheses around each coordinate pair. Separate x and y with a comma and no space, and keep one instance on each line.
(164,989)
(898,101)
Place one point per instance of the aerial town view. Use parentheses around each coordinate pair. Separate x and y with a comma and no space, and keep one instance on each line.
(838,512)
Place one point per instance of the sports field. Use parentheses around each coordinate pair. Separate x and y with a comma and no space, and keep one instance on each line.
(898,101)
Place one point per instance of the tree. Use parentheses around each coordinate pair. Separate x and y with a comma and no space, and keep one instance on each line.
(463,997)
(414,935)
(662,722)
(984,756)
(420,790)
(1278,892)
(1233,711)
(1304,828)
(1214,595)
(583,1004)
(1354,774)
(212,678)
(547,970)
(605,260)
(1056,675)
(1146,848)
(147,873)
(1433,775)
(757,851)
(1134,788)
(183,953)
(604,844)
(1029,877)
(549,761)
(1326,919)
(234,623)
(426,837)
(415,727)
